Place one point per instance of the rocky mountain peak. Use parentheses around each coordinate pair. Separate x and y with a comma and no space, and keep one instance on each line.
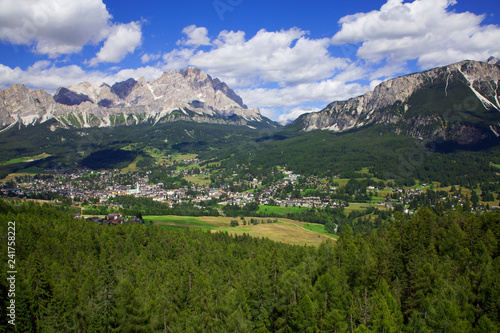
(493,61)
(168,76)
(69,97)
(124,88)
(425,105)
(194,74)
(130,101)
(218,85)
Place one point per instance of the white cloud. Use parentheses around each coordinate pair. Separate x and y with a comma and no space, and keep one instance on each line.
(374,83)
(286,57)
(41,75)
(149,73)
(46,76)
(280,72)
(57,27)
(53,27)
(196,36)
(267,112)
(320,92)
(147,57)
(122,40)
(294,113)
(427,30)
(388,71)
(177,59)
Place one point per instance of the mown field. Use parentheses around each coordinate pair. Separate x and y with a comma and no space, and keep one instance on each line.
(285,230)
(280,210)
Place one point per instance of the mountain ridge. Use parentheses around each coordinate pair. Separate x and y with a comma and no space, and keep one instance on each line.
(443,103)
(188,94)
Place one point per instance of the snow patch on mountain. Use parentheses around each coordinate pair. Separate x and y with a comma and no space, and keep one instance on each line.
(88,104)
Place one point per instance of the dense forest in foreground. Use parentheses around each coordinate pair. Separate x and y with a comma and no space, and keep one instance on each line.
(431,272)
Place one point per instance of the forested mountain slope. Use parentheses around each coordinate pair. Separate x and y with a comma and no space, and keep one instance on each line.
(434,271)
(385,154)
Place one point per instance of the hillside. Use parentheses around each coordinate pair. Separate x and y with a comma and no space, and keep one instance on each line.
(431,272)
(439,125)
(456,103)
(387,155)
(76,147)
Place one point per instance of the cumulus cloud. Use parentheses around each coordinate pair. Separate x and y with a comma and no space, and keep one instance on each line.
(324,91)
(426,30)
(196,36)
(53,27)
(122,40)
(286,57)
(269,113)
(294,113)
(176,59)
(147,57)
(45,75)
(57,27)
(282,72)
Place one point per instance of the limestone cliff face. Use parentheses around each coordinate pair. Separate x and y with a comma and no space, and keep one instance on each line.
(20,105)
(431,104)
(189,94)
(493,61)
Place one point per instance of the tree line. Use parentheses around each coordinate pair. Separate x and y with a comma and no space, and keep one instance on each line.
(433,271)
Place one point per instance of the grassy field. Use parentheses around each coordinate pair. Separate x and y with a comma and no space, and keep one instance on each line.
(341,181)
(187,221)
(361,206)
(284,210)
(319,228)
(16,201)
(159,155)
(11,176)
(376,199)
(495,165)
(25,159)
(182,157)
(132,166)
(280,210)
(285,230)
(198,180)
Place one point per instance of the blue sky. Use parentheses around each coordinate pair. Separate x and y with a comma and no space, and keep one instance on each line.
(285,57)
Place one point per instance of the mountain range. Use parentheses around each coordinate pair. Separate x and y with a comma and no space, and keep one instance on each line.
(459,102)
(448,117)
(188,94)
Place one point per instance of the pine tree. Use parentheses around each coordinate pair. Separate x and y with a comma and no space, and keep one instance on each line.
(41,294)
(130,314)
(387,315)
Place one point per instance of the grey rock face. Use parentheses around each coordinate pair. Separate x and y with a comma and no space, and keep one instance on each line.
(493,61)
(419,104)
(128,102)
(68,97)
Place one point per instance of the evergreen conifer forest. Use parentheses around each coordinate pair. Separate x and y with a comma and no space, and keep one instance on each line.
(434,271)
